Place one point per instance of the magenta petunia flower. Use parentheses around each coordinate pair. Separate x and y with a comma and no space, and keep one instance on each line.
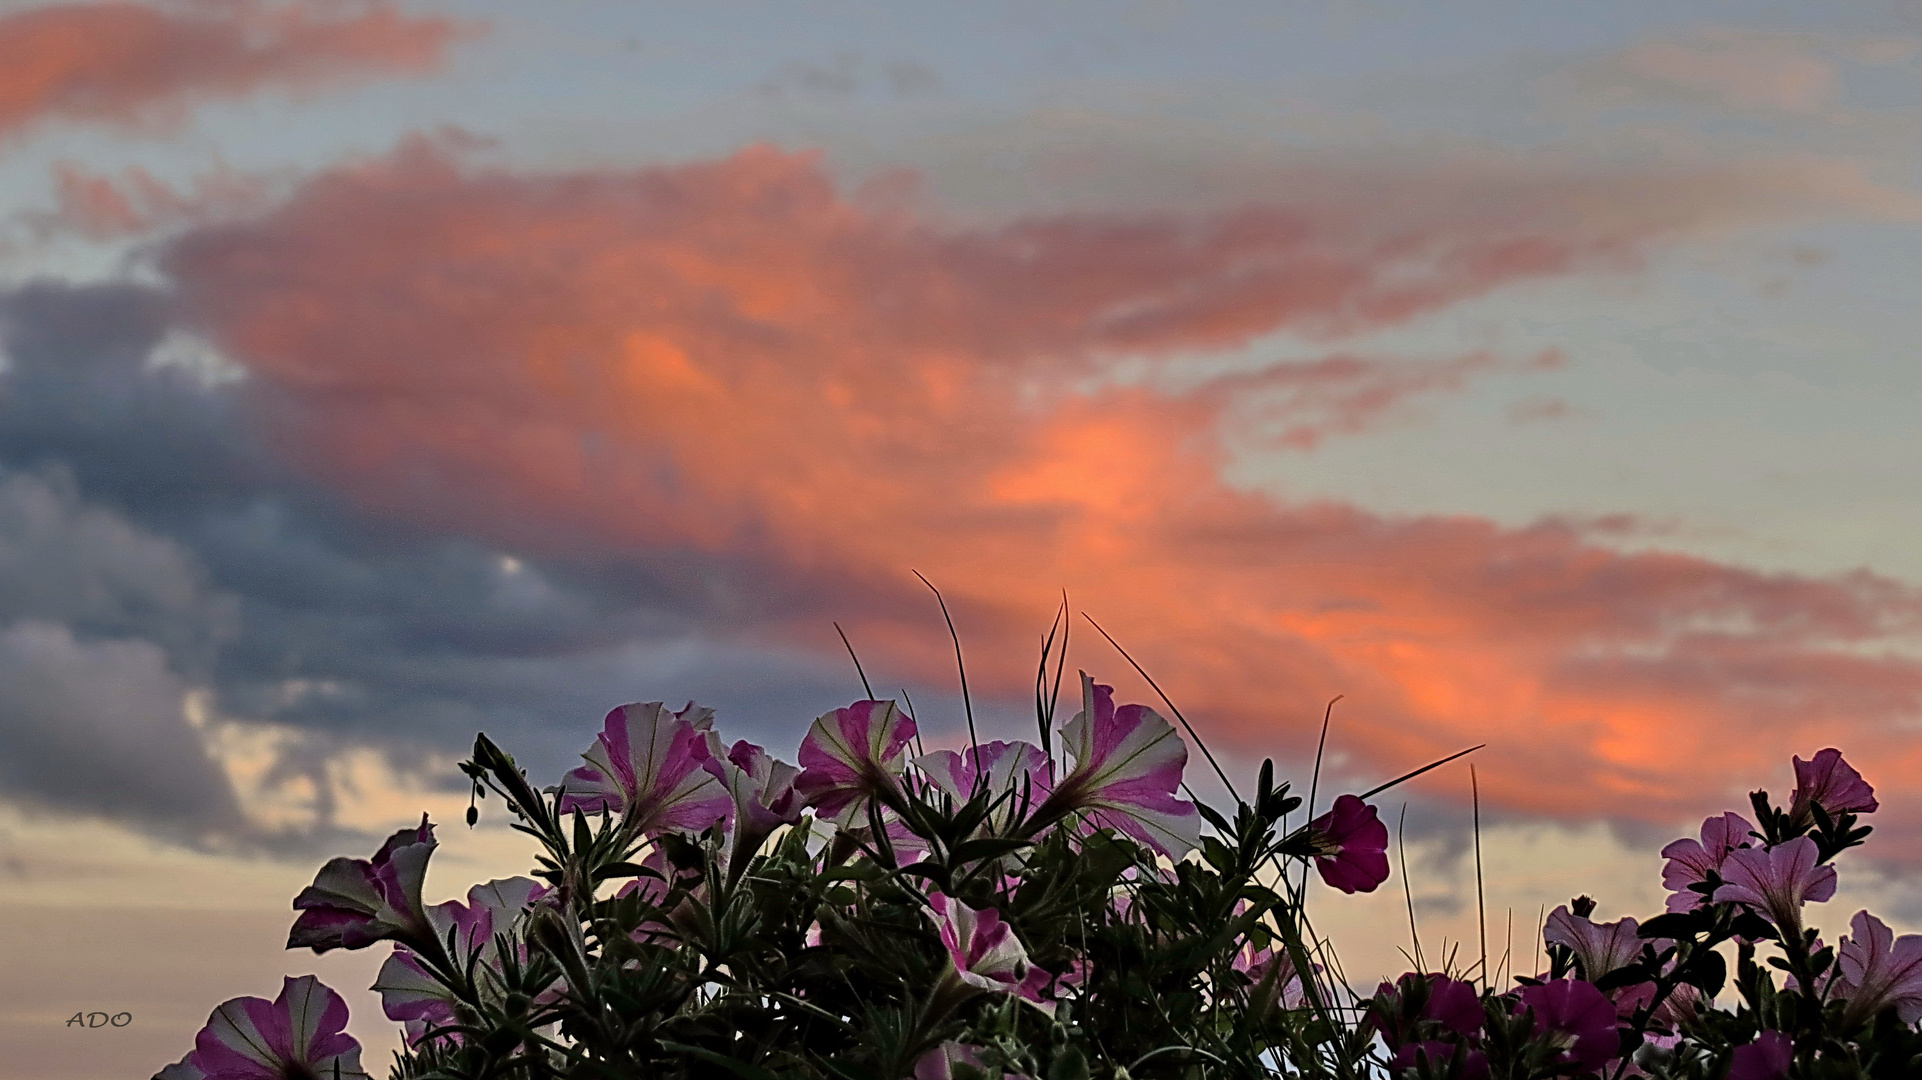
(1691,861)
(356,902)
(1014,767)
(1454,1004)
(1777,881)
(1351,846)
(1575,1018)
(1767,1058)
(853,755)
(1449,1002)
(1127,765)
(300,1035)
(1598,947)
(412,996)
(985,952)
(1879,971)
(648,765)
(1831,782)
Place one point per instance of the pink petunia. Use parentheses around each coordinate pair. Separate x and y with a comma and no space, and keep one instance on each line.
(648,765)
(1575,1018)
(356,902)
(411,995)
(299,1035)
(1449,1002)
(1127,765)
(1351,846)
(1767,1058)
(760,785)
(1598,947)
(1777,881)
(851,756)
(1260,965)
(1879,971)
(1015,769)
(1833,784)
(986,954)
(1691,861)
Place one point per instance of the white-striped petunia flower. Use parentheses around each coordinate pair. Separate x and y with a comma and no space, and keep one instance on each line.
(1015,769)
(986,954)
(649,765)
(412,996)
(356,902)
(851,756)
(1127,765)
(300,1035)
(760,785)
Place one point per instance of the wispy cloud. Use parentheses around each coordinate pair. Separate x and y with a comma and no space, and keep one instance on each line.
(134,64)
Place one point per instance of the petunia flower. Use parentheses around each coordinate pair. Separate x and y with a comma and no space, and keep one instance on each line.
(356,902)
(648,765)
(411,995)
(1777,881)
(1261,965)
(300,1035)
(986,954)
(1401,1008)
(1767,1058)
(1350,846)
(1575,1018)
(762,790)
(1598,947)
(1691,861)
(1016,769)
(1879,971)
(1831,783)
(760,785)
(851,756)
(1127,765)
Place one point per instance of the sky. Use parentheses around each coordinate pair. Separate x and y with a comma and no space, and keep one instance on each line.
(376,373)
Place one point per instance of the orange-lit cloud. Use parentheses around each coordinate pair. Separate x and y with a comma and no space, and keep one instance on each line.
(103,207)
(730,357)
(130,63)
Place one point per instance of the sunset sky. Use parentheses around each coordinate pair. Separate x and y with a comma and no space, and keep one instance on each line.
(373,373)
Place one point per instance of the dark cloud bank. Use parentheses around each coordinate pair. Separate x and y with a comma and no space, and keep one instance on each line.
(150,543)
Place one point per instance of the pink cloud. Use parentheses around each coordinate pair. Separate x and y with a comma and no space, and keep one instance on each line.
(730,357)
(128,63)
(103,207)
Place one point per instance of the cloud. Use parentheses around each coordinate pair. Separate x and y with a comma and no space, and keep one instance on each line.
(137,508)
(140,64)
(1740,70)
(66,562)
(1786,76)
(101,207)
(98,727)
(732,378)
